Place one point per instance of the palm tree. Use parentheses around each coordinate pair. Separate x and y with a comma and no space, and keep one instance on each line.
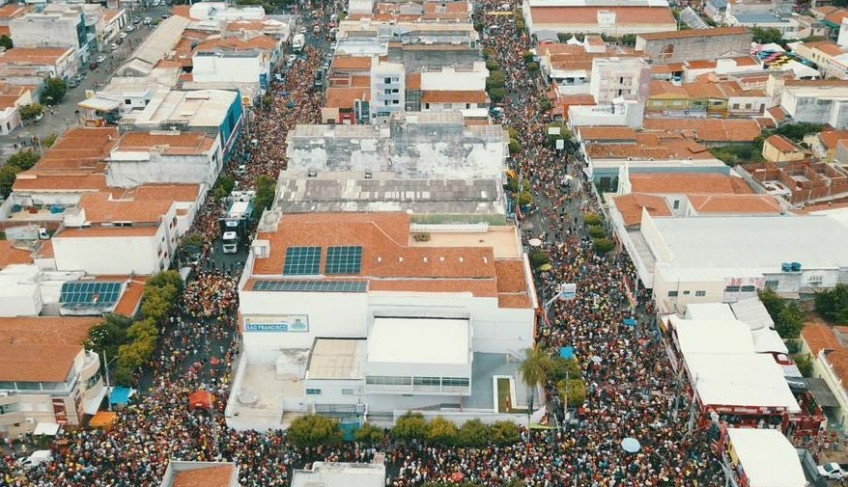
(534,369)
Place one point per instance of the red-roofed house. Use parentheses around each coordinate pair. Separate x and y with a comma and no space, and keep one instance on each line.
(778,148)
(614,19)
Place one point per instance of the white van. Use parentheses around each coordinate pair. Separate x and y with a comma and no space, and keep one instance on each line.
(37,458)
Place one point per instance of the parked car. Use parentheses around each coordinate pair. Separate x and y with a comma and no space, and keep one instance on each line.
(832,471)
(93,66)
(122,35)
(147,21)
(130,28)
(73,83)
(101,58)
(165,16)
(113,46)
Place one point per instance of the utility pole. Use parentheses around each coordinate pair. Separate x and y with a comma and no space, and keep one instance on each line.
(108,394)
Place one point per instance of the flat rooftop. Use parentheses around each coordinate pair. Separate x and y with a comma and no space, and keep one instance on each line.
(419,341)
(504,241)
(767,456)
(336,358)
(755,242)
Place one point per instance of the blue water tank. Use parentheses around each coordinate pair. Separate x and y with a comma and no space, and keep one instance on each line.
(796,267)
(786,267)
(16,208)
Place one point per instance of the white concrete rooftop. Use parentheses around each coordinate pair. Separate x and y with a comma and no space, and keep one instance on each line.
(419,341)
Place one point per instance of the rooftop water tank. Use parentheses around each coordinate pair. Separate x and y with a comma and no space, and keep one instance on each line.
(796,267)
(786,267)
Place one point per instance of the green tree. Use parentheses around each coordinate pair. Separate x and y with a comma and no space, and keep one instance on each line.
(833,304)
(266,187)
(804,363)
(133,355)
(533,67)
(474,433)
(790,321)
(492,65)
(8,174)
(534,370)
(143,329)
(538,258)
(314,430)
(224,186)
(157,302)
(49,140)
(6,41)
(505,433)
(497,94)
(122,376)
(767,35)
(410,426)
(525,198)
(54,91)
(24,159)
(30,112)
(108,335)
(592,219)
(370,434)
(442,431)
(773,303)
(545,104)
(496,79)
(168,278)
(597,231)
(575,389)
(562,368)
(514,146)
(603,245)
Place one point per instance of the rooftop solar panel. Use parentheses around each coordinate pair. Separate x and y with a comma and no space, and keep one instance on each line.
(302,261)
(311,286)
(344,260)
(88,294)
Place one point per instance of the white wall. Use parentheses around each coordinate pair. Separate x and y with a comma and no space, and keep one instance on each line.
(331,391)
(130,169)
(225,69)
(25,301)
(108,255)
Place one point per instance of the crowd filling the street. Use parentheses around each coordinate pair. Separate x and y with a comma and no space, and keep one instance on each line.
(631,389)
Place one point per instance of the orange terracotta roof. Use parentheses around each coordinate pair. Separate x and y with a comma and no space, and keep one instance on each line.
(735,203)
(630,206)
(217,43)
(827,47)
(12,10)
(701,64)
(694,33)
(342,97)
(838,360)
(666,68)
(351,63)
(35,55)
(33,181)
(431,96)
(213,476)
(666,89)
(708,130)
(170,144)
(589,15)
(131,298)
(831,138)
(110,15)
(481,288)
(5,30)
(41,349)
(182,11)
(101,208)
(703,90)
(510,276)
(521,301)
(778,114)
(413,81)
(665,183)
(781,143)
(607,133)
(11,255)
(836,17)
(45,251)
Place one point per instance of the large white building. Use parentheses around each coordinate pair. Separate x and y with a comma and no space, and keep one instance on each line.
(420,316)
(546,18)
(730,258)
(164,157)
(388,90)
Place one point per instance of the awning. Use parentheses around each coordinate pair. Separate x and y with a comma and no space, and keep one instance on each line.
(822,393)
(120,395)
(101,104)
(46,428)
(93,404)
(103,420)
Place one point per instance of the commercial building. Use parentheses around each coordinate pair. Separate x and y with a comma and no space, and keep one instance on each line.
(154,47)
(164,157)
(236,60)
(136,231)
(620,87)
(700,259)
(11,99)
(46,376)
(63,28)
(423,316)
(678,46)
(126,94)
(57,62)
(218,113)
(388,92)
(814,102)
(546,17)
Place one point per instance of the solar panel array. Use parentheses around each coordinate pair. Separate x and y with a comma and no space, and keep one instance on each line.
(343,260)
(302,261)
(99,294)
(312,286)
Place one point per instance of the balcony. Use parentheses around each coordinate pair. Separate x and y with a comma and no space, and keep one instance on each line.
(90,365)
(10,413)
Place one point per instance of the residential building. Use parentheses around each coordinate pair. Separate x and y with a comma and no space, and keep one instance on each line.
(135,231)
(209,474)
(164,158)
(826,347)
(46,376)
(331,474)
(824,102)
(678,46)
(215,112)
(388,93)
(704,99)
(597,17)
(708,132)
(824,143)
(154,48)
(56,62)
(778,148)
(126,94)
(11,99)
(788,26)
(66,28)
(620,87)
(697,259)
(420,321)
(696,69)
(831,59)
(231,59)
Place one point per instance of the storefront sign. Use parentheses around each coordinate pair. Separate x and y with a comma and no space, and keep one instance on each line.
(277,324)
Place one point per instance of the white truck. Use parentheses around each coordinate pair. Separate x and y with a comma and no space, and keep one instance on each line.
(235,224)
(298,42)
(230,242)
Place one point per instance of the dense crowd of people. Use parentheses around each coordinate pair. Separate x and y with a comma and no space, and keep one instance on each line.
(630,389)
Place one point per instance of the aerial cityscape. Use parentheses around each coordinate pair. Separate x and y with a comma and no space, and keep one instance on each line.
(422,243)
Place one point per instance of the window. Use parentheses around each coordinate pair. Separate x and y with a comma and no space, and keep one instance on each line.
(686,293)
(454,382)
(386,103)
(387,91)
(468,105)
(388,380)
(700,294)
(747,106)
(773,284)
(731,289)
(672,294)
(387,80)
(395,102)
(748,289)
(427,106)
(347,392)
(448,106)
(426,381)
(395,90)
(676,204)
(127,101)
(736,106)
(313,392)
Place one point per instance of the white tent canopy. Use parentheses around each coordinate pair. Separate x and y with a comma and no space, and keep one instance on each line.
(44,428)
(713,336)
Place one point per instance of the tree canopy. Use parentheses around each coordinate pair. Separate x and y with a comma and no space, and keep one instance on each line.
(833,304)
